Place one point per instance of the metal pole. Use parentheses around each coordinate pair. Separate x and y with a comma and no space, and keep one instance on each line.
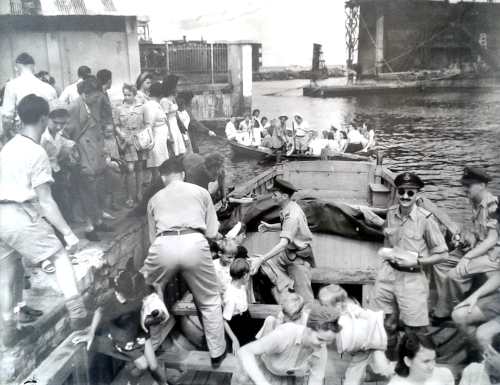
(212,62)
(167,58)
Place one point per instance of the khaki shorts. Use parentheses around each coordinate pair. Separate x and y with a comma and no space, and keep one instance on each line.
(26,231)
(407,295)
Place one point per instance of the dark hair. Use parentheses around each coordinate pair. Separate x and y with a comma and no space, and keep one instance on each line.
(169,85)
(239,267)
(87,86)
(103,76)
(142,78)
(60,113)
(410,345)
(41,75)
(214,161)
(331,136)
(25,59)
(83,72)
(495,342)
(254,111)
(130,285)
(264,117)
(344,135)
(129,87)
(156,90)
(323,318)
(241,252)
(31,108)
(171,166)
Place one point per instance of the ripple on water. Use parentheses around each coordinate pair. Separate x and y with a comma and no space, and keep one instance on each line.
(435,134)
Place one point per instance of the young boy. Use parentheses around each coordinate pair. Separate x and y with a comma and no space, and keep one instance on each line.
(237,321)
(362,336)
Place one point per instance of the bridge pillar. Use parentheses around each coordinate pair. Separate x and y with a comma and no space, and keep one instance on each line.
(379,41)
(239,56)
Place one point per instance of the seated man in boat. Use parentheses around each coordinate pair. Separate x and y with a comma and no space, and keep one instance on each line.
(231,132)
(292,256)
(316,144)
(480,253)
(245,131)
(401,287)
(356,140)
(293,353)
(278,138)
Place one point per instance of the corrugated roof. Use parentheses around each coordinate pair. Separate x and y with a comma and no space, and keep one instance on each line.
(67,7)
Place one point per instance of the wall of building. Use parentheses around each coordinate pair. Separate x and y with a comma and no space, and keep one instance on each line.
(59,44)
(427,35)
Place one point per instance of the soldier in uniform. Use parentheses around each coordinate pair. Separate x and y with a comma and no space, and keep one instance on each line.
(479,252)
(401,288)
(288,264)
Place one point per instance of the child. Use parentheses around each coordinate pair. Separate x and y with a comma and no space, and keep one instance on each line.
(237,321)
(117,327)
(113,179)
(222,265)
(362,335)
(292,310)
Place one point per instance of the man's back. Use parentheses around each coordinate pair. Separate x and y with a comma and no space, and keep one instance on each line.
(183,205)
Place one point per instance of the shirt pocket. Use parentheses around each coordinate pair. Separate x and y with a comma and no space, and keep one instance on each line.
(393,235)
(412,232)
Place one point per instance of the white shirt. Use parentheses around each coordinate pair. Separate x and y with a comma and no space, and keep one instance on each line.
(230,130)
(440,376)
(23,85)
(24,165)
(316,145)
(356,137)
(70,93)
(52,146)
(235,301)
(223,276)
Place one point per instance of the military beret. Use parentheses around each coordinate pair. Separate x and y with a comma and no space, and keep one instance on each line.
(475,175)
(409,179)
(284,186)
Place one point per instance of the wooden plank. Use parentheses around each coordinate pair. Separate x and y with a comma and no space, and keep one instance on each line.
(257,311)
(197,360)
(254,183)
(60,364)
(328,166)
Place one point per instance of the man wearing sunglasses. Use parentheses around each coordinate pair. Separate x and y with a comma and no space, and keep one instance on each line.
(401,288)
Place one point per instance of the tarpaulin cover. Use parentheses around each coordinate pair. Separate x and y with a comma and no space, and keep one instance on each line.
(323,216)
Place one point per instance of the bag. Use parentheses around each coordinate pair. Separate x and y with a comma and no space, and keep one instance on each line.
(143,140)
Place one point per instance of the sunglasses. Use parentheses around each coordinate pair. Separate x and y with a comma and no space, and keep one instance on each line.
(410,193)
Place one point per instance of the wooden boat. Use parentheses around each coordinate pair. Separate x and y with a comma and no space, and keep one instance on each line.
(263,152)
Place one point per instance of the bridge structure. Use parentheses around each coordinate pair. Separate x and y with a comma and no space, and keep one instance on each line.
(393,36)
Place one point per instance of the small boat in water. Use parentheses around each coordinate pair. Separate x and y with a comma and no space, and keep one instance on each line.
(264,152)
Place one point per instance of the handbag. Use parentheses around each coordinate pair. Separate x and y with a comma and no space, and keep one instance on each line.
(143,140)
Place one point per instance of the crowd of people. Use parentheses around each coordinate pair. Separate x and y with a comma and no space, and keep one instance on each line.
(57,148)
(297,137)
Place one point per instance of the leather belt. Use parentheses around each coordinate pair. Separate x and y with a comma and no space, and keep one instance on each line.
(395,266)
(178,232)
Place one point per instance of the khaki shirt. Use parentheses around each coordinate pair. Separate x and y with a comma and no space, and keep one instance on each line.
(182,205)
(294,227)
(484,217)
(418,232)
(285,355)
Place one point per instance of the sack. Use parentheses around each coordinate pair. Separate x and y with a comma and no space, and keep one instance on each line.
(143,140)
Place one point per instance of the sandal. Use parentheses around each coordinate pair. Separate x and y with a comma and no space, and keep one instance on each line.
(48,267)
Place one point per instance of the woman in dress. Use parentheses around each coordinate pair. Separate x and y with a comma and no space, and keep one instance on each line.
(417,363)
(156,121)
(170,108)
(143,85)
(129,121)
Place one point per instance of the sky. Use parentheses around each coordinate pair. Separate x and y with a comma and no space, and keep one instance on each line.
(286,29)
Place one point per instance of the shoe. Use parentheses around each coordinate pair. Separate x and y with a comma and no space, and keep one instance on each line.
(30,311)
(217,361)
(92,236)
(103,227)
(439,321)
(26,318)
